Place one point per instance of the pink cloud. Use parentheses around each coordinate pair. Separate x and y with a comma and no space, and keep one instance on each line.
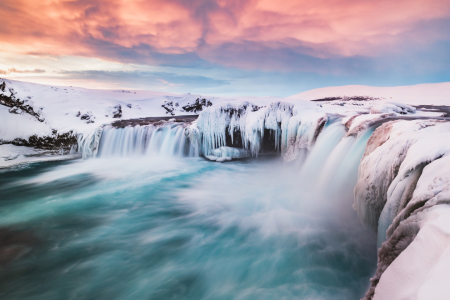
(322,29)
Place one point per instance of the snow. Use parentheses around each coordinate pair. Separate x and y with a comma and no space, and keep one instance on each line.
(227,153)
(362,122)
(14,126)
(421,271)
(430,94)
(11,155)
(392,107)
(62,104)
(403,190)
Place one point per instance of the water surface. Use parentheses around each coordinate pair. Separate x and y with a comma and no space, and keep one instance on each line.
(143,228)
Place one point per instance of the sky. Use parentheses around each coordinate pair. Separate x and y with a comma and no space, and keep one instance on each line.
(225,47)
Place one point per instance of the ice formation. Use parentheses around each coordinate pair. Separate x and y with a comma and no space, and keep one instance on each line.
(245,125)
(227,153)
(404,173)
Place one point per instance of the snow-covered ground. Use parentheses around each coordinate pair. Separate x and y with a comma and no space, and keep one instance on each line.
(11,155)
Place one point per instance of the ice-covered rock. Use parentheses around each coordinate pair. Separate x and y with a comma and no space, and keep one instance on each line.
(227,153)
(404,172)
(303,129)
(414,262)
(286,127)
(392,107)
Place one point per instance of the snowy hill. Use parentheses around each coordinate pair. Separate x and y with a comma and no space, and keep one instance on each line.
(79,109)
(425,94)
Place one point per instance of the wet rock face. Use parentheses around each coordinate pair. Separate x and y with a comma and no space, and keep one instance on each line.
(236,140)
(154,121)
(268,143)
(18,106)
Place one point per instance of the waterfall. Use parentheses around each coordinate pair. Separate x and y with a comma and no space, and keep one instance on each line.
(148,140)
(331,165)
(88,144)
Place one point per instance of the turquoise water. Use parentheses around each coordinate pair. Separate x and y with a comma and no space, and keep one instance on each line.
(143,228)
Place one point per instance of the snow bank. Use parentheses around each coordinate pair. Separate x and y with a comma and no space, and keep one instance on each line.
(11,155)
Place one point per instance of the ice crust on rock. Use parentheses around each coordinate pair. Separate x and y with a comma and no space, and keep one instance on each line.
(227,153)
(293,127)
(392,107)
(380,165)
(403,182)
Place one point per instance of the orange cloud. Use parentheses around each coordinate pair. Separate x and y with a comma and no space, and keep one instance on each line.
(162,31)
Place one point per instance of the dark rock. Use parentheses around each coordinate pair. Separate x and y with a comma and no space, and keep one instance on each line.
(168,106)
(117,113)
(197,105)
(435,108)
(87,117)
(256,107)
(345,98)
(55,142)
(153,120)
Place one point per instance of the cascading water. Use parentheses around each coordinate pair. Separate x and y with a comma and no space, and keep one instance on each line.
(166,140)
(139,223)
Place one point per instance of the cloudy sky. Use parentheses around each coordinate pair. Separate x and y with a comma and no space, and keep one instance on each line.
(225,47)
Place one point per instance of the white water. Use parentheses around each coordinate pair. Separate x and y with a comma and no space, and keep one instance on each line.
(168,140)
